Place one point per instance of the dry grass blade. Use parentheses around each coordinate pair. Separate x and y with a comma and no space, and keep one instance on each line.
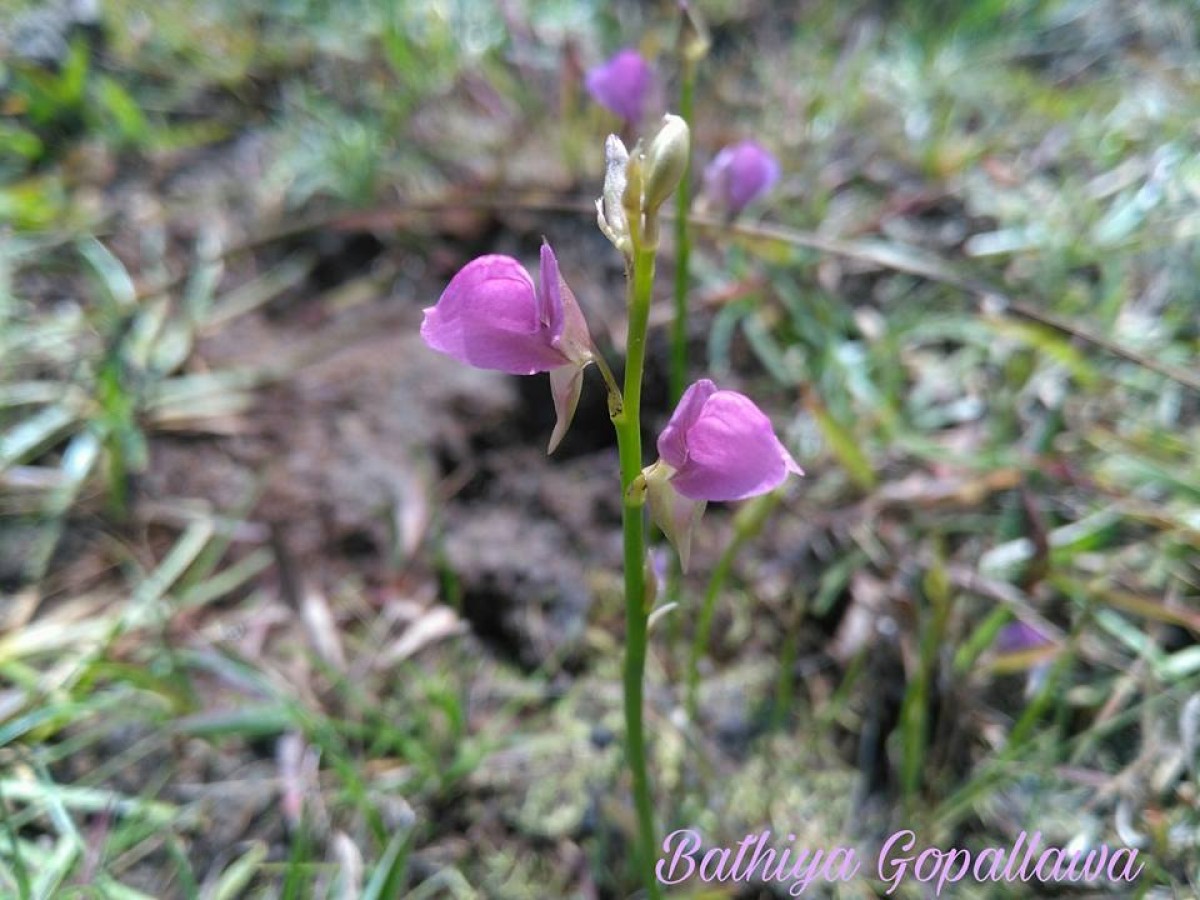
(433,625)
(83,799)
(35,434)
(993,300)
(321,628)
(257,293)
(891,256)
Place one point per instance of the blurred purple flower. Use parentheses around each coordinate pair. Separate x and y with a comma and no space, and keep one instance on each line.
(658,572)
(490,316)
(722,447)
(621,85)
(1021,638)
(739,175)
(1017,637)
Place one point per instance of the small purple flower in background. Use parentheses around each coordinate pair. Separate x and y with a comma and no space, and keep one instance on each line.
(739,175)
(658,573)
(717,446)
(621,85)
(1032,650)
(1017,637)
(490,316)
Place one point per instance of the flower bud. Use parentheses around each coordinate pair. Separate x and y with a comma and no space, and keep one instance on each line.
(631,197)
(694,39)
(610,208)
(666,161)
(652,584)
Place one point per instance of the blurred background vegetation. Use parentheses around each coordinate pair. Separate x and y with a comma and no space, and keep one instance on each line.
(292,609)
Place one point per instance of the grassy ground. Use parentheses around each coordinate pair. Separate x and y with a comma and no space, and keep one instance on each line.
(294,609)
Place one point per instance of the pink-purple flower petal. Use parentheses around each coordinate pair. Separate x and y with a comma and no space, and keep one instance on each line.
(489,317)
(672,443)
(550,303)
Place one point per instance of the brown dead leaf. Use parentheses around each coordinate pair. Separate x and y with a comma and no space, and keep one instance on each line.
(436,624)
(322,629)
(934,491)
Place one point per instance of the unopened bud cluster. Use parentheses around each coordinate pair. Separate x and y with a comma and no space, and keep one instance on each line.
(637,183)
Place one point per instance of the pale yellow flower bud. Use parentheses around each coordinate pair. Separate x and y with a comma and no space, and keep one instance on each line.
(666,161)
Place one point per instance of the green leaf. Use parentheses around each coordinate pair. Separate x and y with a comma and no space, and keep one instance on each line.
(834,578)
(33,204)
(55,868)
(234,880)
(389,874)
(20,142)
(844,445)
(36,433)
(250,721)
(85,799)
(123,110)
(72,82)
(720,335)
(768,351)
(111,273)
(1052,344)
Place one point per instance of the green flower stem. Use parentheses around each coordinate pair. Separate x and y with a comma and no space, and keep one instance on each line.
(683,245)
(628,425)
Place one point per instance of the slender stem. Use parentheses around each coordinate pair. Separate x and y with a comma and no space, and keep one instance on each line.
(683,245)
(629,442)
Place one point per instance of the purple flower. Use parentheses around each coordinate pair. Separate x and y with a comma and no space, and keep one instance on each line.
(490,316)
(717,446)
(1028,644)
(1019,637)
(621,85)
(739,175)
(722,447)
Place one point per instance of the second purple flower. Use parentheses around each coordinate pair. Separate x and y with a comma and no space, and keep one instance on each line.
(718,445)
(739,175)
(722,447)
